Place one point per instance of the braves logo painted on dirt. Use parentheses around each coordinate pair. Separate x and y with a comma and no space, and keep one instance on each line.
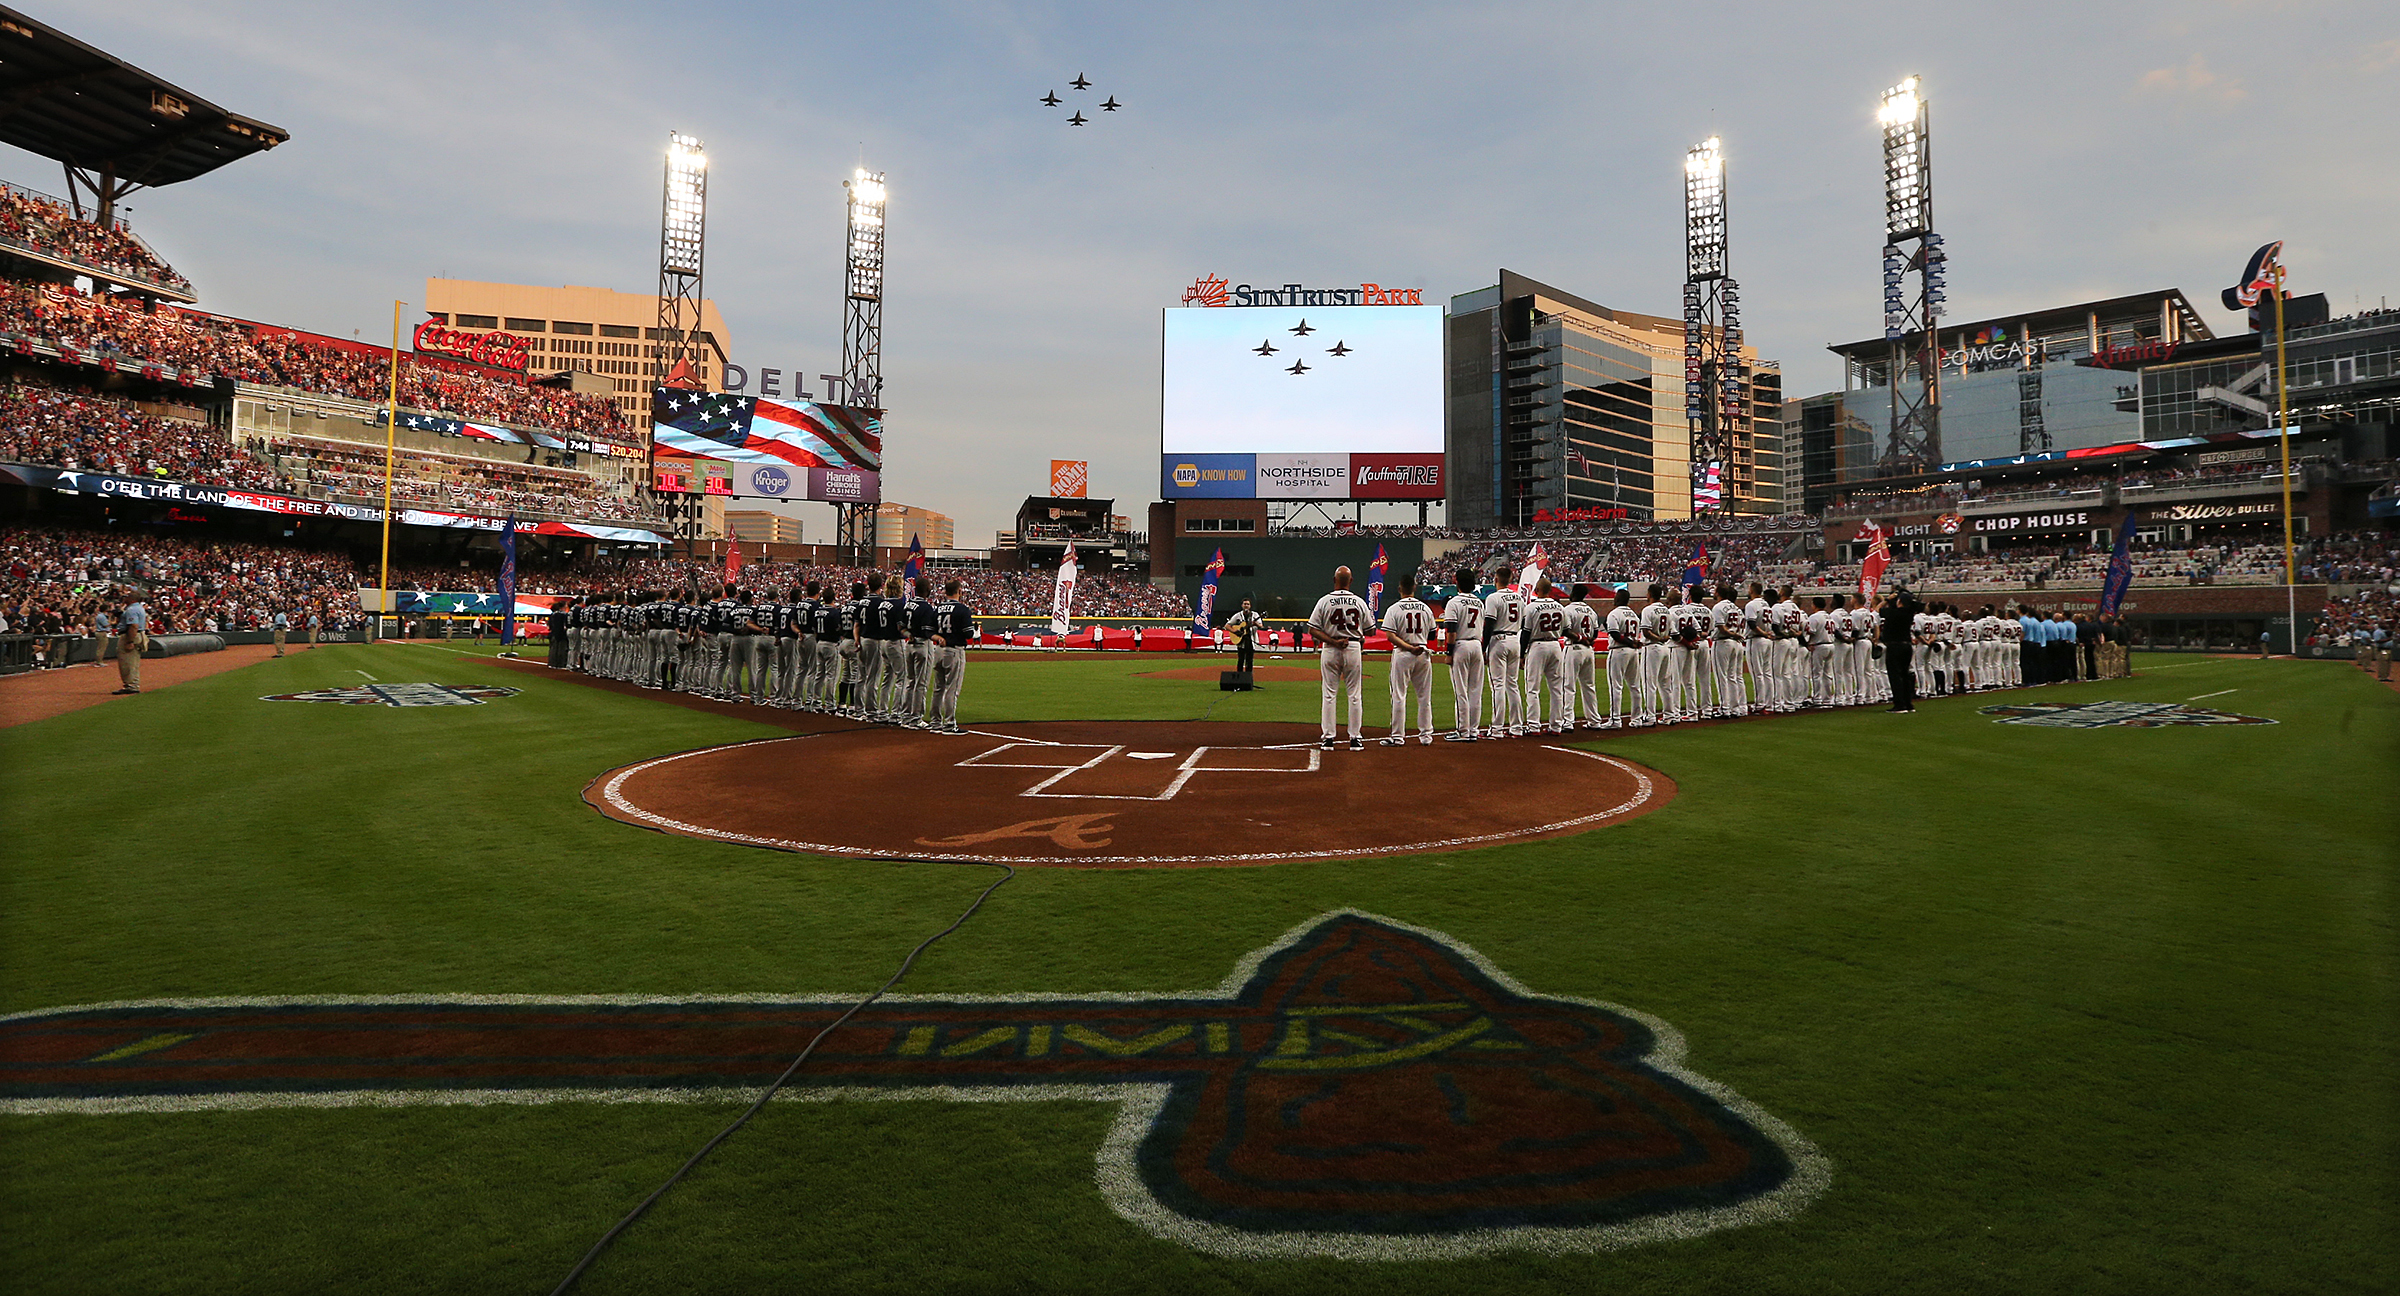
(399,695)
(1360,1089)
(2103,715)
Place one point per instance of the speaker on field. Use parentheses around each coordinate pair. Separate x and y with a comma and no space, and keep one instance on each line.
(1234,682)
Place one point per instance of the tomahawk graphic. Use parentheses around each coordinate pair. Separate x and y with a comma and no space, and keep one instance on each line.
(1359,1089)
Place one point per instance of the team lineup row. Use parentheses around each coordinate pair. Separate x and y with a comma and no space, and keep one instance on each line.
(1675,660)
(886,655)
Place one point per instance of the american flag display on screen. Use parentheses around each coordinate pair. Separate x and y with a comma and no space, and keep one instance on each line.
(762,430)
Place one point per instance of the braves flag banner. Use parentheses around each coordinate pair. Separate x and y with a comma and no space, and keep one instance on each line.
(508,581)
(1879,556)
(2120,569)
(1696,570)
(733,561)
(1376,571)
(1208,591)
(914,569)
(1536,563)
(2258,280)
(1062,598)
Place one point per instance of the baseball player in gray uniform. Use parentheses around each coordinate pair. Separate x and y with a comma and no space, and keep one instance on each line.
(953,630)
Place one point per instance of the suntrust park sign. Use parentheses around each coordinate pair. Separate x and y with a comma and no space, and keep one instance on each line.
(1209,290)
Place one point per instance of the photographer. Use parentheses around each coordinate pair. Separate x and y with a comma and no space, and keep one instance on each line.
(1898,611)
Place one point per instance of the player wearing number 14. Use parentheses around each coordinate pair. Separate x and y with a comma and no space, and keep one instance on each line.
(1340,626)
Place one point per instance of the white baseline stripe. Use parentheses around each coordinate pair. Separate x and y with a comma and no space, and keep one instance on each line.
(2219,693)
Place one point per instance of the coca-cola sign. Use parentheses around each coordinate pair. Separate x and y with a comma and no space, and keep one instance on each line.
(499,350)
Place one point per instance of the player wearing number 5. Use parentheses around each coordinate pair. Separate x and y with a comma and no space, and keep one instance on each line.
(1410,624)
(1340,625)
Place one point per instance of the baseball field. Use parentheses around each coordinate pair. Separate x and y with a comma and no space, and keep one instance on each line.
(320,993)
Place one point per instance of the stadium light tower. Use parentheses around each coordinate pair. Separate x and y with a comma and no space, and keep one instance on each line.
(862,327)
(1911,319)
(682,257)
(1715,398)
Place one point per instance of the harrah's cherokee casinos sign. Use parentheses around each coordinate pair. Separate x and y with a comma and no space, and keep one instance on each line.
(499,350)
(1209,290)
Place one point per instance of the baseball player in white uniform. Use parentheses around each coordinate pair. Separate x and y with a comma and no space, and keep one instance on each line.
(1583,658)
(1658,628)
(1624,661)
(1790,627)
(1687,663)
(1725,627)
(1503,619)
(1409,622)
(1817,637)
(1759,621)
(1340,624)
(1546,660)
(1462,623)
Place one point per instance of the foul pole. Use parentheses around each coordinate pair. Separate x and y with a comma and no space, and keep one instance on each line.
(391,435)
(2283,434)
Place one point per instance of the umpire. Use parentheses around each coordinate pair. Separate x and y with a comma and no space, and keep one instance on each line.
(1899,615)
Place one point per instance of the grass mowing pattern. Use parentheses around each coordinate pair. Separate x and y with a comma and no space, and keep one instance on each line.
(2070,1010)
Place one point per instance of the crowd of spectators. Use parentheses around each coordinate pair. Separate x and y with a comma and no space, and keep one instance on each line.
(2200,474)
(54,580)
(2367,619)
(1616,560)
(2364,557)
(39,223)
(89,433)
(189,340)
(451,483)
(991,593)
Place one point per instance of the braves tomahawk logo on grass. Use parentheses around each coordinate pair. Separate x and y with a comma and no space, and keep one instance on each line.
(2103,715)
(1360,1089)
(399,695)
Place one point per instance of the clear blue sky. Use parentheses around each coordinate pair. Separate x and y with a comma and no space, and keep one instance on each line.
(2081,150)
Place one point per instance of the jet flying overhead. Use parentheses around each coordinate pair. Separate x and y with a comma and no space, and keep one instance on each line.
(1076,120)
(1052,99)
(1079,83)
(1297,368)
(1302,328)
(1338,348)
(1112,105)
(1265,348)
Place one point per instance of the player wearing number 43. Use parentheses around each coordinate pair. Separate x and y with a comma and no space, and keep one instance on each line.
(1340,626)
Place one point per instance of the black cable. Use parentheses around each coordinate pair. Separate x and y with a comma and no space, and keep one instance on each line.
(637,1212)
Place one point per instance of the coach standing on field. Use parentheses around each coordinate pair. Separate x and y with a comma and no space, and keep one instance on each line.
(1899,615)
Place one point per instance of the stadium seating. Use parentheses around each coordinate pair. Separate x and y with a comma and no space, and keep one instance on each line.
(42,224)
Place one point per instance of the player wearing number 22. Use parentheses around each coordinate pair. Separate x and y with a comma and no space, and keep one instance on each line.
(1340,626)
(1409,622)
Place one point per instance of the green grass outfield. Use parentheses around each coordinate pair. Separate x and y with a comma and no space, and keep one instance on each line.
(2070,1011)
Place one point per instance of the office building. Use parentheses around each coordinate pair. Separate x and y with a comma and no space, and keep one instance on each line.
(762,526)
(1556,402)
(896,523)
(596,331)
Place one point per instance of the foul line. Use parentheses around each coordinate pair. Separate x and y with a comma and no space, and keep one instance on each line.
(2219,693)
(364,673)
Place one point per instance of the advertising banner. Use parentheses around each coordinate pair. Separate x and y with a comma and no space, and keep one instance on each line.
(1070,478)
(2029,523)
(845,485)
(1295,476)
(1396,476)
(1208,476)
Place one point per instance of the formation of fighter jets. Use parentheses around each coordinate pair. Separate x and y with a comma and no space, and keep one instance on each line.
(1051,100)
(1266,347)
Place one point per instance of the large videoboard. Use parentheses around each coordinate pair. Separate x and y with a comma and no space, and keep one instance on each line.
(716,443)
(1287,402)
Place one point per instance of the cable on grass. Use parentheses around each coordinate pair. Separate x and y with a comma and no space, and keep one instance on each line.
(1006,872)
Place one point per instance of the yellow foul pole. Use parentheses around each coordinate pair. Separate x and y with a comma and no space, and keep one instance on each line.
(391,434)
(2283,428)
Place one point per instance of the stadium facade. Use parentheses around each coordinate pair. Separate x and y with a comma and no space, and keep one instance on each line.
(598,331)
(1553,401)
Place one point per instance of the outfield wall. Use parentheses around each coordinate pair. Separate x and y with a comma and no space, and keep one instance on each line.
(1286,575)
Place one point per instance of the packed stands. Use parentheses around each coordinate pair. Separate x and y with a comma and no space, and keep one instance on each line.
(190,340)
(61,576)
(42,224)
(88,433)
(452,483)
(2370,618)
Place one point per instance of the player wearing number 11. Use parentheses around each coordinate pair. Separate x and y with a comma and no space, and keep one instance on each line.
(1340,626)
(1409,622)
